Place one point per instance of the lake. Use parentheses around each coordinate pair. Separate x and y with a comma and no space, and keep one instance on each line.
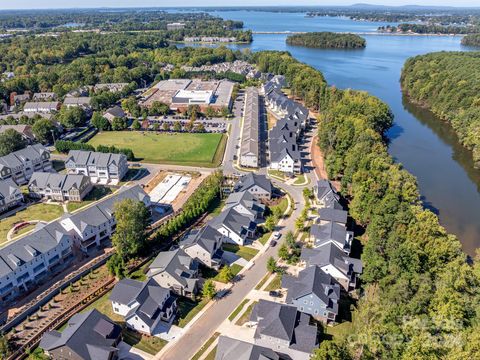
(427,147)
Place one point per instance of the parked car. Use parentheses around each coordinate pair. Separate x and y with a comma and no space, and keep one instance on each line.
(273,243)
(274,293)
(277,235)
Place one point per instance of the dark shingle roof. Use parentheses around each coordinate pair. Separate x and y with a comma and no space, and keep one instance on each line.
(335,215)
(330,254)
(232,349)
(90,335)
(251,179)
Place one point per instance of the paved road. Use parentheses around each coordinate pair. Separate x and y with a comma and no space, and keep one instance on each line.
(186,346)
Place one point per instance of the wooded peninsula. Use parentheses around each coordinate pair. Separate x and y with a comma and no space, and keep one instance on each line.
(327,40)
(448,84)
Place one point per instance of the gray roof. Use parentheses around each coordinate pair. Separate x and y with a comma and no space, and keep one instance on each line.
(330,254)
(25,249)
(91,335)
(116,111)
(284,322)
(326,192)
(332,214)
(93,158)
(251,179)
(54,181)
(329,231)
(246,199)
(25,130)
(76,101)
(18,158)
(283,146)
(178,264)
(249,143)
(8,188)
(149,295)
(233,349)
(313,280)
(234,221)
(207,237)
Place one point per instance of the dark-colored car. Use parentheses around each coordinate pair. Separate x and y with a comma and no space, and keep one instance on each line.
(274,293)
(273,243)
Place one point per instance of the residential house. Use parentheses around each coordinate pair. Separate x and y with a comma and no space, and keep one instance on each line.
(175,26)
(249,145)
(21,164)
(26,262)
(24,130)
(114,112)
(88,336)
(331,232)
(235,227)
(19,99)
(94,225)
(177,271)
(233,349)
(246,204)
(284,155)
(284,329)
(81,102)
(338,216)
(42,107)
(258,185)
(327,195)
(205,246)
(100,167)
(10,195)
(111,87)
(313,292)
(333,261)
(144,305)
(59,187)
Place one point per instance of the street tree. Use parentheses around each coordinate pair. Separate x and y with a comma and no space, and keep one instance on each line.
(226,274)
(209,291)
(283,252)
(100,122)
(272,264)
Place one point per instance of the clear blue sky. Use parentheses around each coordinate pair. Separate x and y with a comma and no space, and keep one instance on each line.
(30,4)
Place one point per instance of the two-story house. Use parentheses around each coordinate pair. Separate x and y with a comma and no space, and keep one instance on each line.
(245,204)
(284,329)
(144,305)
(103,168)
(205,246)
(258,185)
(21,164)
(59,187)
(313,292)
(10,195)
(88,336)
(235,227)
(177,271)
(331,232)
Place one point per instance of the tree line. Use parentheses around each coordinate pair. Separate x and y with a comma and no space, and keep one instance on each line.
(471,40)
(419,292)
(431,29)
(448,83)
(64,146)
(327,40)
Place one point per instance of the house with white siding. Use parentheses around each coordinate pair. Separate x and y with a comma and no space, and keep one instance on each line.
(235,227)
(205,246)
(59,187)
(10,195)
(258,185)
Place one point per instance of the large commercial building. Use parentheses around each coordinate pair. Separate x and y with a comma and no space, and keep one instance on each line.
(180,93)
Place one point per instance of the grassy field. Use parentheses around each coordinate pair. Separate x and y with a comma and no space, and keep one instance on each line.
(167,148)
(44,212)
(187,309)
(243,251)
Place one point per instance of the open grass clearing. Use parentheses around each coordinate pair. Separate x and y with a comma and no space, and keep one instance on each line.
(149,344)
(43,212)
(167,148)
(243,251)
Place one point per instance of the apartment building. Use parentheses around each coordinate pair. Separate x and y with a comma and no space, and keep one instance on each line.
(59,187)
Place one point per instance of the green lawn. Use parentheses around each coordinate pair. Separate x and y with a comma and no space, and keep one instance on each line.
(205,346)
(301,180)
(264,238)
(104,305)
(237,310)
(169,148)
(282,205)
(149,344)
(246,315)
(212,354)
(96,194)
(275,284)
(243,251)
(44,212)
(187,309)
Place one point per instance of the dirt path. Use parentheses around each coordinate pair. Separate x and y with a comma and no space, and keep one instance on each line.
(318,162)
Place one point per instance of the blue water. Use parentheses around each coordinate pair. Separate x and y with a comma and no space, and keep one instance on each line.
(427,147)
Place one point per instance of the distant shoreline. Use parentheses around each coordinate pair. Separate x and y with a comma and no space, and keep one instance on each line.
(356,33)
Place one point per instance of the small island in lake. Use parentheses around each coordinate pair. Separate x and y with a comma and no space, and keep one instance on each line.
(327,40)
(471,40)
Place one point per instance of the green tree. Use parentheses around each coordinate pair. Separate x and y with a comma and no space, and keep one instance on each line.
(283,252)
(166,126)
(226,274)
(210,112)
(177,126)
(132,218)
(300,223)
(329,350)
(119,124)
(270,223)
(224,111)
(208,290)
(42,129)
(130,105)
(71,117)
(193,111)
(116,266)
(158,108)
(100,122)
(10,141)
(136,125)
(272,264)
(4,347)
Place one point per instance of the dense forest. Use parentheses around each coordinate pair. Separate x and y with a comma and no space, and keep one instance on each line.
(471,40)
(327,40)
(448,83)
(431,29)
(420,297)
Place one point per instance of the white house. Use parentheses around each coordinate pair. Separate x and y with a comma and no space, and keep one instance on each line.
(10,195)
(205,246)
(235,227)
(144,305)
(258,185)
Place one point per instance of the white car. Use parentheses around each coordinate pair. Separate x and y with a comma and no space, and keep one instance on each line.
(276,235)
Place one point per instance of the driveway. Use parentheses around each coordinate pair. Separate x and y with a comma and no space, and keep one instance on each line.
(128,352)
(232,258)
